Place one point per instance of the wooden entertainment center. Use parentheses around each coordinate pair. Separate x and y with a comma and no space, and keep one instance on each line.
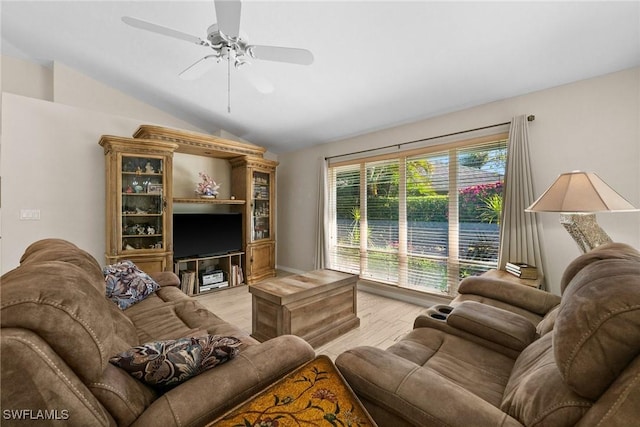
(139,198)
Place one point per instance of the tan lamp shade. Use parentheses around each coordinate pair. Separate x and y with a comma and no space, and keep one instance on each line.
(580,192)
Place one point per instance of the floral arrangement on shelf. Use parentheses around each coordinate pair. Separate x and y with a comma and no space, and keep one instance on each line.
(207,187)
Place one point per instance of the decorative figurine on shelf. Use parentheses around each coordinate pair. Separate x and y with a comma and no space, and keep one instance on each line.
(148,168)
(136,186)
(207,188)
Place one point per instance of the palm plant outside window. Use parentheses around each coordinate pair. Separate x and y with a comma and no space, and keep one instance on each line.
(422,220)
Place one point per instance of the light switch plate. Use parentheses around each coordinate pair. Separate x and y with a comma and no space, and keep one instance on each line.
(30,214)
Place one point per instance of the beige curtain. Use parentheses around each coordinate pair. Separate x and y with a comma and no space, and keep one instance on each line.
(519,236)
(321,259)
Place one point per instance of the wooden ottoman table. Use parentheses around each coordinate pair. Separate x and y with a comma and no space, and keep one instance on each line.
(317,306)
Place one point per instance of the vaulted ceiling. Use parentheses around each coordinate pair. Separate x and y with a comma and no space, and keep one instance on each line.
(376,63)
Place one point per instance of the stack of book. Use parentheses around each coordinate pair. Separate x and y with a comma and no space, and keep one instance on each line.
(237,278)
(522,270)
(188,281)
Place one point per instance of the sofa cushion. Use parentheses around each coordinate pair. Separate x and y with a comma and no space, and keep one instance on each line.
(58,301)
(536,395)
(158,320)
(526,301)
(35,377)
(597,331)
(165,278)
(456,359)
(126,284)
(612,250)
(443,391)
(125,334)
(546,324)
(170,362)
(62,250)
(124,397)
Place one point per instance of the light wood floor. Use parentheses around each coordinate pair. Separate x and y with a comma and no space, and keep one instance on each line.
(382,320)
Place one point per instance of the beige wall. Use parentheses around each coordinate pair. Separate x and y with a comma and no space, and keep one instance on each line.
(25,78)
(591,125)
(73,88)
(50,159)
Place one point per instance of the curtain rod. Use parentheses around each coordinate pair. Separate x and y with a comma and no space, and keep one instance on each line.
(530,118)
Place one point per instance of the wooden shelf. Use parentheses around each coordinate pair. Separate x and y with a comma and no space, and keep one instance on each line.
(209,201)
(224,262)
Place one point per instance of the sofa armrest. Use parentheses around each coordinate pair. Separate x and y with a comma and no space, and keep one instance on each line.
(165,278)
(531,299)
(493,324)
(491,327)
(406,391)
(210,394)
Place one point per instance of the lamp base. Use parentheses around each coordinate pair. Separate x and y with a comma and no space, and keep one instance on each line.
(585,230)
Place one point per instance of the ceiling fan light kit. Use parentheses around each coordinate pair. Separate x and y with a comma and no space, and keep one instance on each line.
(224,39)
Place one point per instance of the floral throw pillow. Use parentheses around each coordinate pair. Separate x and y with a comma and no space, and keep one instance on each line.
(170,362)
(126,284)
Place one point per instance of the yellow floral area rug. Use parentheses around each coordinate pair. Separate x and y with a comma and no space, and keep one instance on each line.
(315,394)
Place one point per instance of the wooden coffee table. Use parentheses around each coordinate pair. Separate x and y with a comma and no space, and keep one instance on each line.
(318,306)
(315,394)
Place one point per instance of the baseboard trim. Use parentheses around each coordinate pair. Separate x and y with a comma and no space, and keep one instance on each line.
(289,270)
(402,294)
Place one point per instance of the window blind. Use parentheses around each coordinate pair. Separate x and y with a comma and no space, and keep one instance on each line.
(419,220)
(381,214)
(344,208)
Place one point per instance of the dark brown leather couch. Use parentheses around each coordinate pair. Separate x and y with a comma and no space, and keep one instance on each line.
(59,331)
(578,364)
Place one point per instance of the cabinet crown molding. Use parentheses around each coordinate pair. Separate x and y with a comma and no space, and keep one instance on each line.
(199,144)
(119,143)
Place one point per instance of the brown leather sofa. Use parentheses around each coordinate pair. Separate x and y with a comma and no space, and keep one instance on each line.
(482,365)
(59,332)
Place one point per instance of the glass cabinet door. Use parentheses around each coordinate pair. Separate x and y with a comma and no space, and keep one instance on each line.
(260,215)
(142,203)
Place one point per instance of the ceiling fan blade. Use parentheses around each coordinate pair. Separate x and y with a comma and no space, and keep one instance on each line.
(228,15)
(260,83)
(159,29)
(198,68)
(282,54)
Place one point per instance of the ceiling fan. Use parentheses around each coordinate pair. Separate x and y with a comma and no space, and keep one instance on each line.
(224,39)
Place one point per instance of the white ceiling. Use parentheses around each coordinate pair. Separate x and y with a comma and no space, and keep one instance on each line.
(377,63)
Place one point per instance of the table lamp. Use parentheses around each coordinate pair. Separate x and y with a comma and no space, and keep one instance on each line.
(578,196)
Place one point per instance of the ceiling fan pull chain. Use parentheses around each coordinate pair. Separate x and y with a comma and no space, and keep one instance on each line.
(229,84)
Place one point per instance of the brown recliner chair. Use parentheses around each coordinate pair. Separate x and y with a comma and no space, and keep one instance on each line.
(584,371)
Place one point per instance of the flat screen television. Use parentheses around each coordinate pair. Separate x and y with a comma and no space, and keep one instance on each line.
(206,234)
